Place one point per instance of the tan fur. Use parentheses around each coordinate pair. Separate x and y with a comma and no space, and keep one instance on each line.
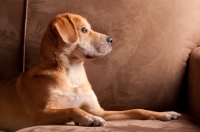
(55,90)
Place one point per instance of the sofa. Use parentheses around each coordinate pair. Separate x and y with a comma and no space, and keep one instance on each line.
(154,64)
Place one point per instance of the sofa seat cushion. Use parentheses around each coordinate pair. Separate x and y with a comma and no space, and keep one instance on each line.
(184,124)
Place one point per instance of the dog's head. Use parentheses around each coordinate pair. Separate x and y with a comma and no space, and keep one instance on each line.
(76,39)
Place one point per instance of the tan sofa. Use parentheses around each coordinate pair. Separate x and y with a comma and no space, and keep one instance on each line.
(155,62)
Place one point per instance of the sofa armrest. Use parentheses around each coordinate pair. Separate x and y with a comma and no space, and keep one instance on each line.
(194,83)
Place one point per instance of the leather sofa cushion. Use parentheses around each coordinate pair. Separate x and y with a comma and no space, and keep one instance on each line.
(152,40)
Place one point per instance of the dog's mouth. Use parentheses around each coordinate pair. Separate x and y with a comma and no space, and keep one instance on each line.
(93,54)
(90,57)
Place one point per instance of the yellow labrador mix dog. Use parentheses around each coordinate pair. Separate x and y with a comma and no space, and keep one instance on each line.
(55,90)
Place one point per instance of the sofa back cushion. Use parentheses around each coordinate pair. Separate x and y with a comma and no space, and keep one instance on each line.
(11,40)
(152,41)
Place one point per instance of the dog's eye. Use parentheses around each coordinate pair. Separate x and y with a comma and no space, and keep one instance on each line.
(84,30)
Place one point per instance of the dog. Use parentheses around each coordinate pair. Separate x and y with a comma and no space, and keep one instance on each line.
(55,90)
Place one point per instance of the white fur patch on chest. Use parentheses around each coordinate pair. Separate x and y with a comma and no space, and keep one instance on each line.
(66,98)
(75,74)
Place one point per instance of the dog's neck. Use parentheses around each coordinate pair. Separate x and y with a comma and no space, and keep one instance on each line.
(73,70)
(75,73)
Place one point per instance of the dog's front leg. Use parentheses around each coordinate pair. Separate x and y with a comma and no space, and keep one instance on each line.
(60,116)
(140,114)
(92,106)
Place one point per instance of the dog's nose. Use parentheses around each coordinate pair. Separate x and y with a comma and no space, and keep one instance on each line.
(109,40)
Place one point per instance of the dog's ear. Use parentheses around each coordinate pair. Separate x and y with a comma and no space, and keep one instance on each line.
(65,28)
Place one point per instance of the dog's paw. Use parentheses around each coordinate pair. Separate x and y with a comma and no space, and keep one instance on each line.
(167,116)
(80,117)
(96,121)
(91,120)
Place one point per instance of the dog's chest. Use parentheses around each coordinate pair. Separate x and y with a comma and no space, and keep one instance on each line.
(67,98)
(72,92)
